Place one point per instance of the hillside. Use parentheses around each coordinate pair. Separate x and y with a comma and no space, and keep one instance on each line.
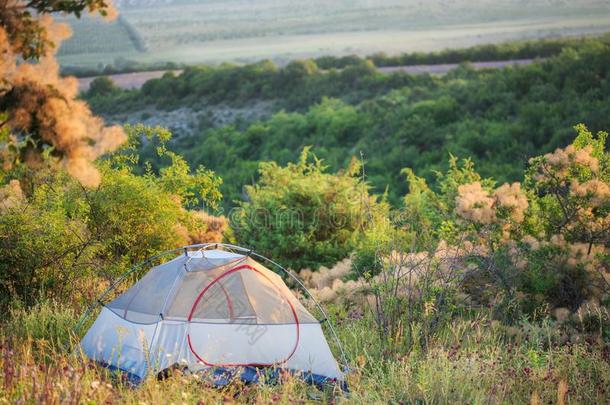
(324,230)
(229,118)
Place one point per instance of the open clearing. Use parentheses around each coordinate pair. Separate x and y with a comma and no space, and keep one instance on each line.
(126,81)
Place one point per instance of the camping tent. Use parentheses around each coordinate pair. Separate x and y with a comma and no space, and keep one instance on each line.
(209,308)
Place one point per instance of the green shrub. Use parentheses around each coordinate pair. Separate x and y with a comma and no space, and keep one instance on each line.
(373,245)
(102,86)
(44,241)
(61,240)
(302,216)
(133,217)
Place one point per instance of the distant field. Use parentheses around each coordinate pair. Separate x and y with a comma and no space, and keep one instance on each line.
(213,31)
(94,36)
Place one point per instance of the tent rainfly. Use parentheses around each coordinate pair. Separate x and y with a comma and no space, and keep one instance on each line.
(210,308)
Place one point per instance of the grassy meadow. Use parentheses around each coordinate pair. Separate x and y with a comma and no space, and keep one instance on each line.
(472,360)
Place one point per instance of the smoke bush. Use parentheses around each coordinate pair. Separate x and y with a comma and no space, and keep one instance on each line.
(41,104)
(540,245)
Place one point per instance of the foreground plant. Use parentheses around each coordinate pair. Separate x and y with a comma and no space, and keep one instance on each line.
(525,250)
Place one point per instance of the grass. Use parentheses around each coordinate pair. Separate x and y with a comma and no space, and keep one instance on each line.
(93,35)
(473,360)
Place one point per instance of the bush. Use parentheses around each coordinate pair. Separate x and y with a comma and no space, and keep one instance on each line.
(61,240)
(44,241)
(302,216)
(367,259)
(523,250)
(133,217)
(545,241)
(102,86)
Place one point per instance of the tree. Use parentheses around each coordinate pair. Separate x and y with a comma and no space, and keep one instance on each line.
(101,86)
(59,239)
(37,103)
(28,33)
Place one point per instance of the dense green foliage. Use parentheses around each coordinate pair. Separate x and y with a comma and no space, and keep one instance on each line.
(296,86)
(301,83)
(499,118)
(60,239)
(302,216)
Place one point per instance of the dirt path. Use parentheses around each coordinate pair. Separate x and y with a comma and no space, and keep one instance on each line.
(126,80)
(137,79)
(446,67)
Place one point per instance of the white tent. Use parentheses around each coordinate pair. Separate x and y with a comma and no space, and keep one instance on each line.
(209,308)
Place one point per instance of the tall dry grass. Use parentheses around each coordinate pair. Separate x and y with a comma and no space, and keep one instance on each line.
(472,360)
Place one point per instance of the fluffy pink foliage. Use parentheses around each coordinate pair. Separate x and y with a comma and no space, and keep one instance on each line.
(475,203)
(46,103)
(512,197)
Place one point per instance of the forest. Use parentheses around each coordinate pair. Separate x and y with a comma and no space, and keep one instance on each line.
(499,118)
(456,228)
